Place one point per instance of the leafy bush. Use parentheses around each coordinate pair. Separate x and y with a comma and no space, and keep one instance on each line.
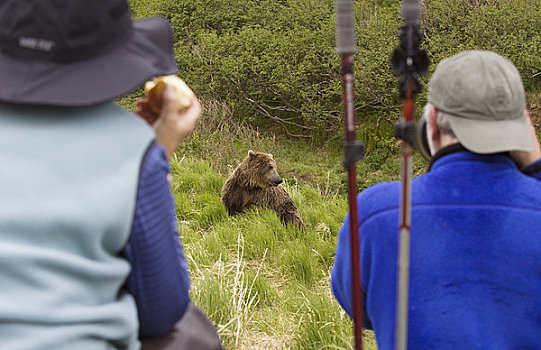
(510,28)
(274,63)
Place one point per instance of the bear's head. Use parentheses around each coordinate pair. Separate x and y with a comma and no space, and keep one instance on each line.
(258,170)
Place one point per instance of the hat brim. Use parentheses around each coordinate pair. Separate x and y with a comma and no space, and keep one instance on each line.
(493,136)
(147,53)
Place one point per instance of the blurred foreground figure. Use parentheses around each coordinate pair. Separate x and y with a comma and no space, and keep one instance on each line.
(89,250)
(475,272)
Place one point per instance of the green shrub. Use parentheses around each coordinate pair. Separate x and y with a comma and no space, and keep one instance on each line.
(274,63)
(510,28)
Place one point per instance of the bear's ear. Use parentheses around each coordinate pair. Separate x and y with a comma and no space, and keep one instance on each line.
(252,153)
(270,155)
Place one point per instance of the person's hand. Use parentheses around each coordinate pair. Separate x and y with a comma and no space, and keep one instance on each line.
(145,111)
(523,158)
(173,124)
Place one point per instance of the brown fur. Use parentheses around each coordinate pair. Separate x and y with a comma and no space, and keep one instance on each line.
(255,182)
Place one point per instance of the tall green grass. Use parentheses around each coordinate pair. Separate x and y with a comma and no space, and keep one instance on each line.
(265,285)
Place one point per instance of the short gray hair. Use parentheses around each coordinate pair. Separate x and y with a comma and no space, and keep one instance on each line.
(442,119)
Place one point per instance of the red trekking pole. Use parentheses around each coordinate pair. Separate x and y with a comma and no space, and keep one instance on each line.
(353,150)
(408,62)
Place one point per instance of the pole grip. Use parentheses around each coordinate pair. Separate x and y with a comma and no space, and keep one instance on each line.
(411,10)
(345,27)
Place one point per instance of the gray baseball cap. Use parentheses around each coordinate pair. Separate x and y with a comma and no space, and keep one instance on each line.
(484,96)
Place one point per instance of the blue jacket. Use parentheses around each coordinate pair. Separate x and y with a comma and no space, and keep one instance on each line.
(475,278)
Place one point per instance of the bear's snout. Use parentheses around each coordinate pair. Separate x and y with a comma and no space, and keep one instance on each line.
(276,180)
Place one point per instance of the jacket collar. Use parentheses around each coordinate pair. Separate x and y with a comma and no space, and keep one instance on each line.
(457,148)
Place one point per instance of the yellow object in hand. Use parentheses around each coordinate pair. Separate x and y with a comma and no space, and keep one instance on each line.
(154,89)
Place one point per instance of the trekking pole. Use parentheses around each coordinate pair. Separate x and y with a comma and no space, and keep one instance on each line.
(408,61)
(353,151)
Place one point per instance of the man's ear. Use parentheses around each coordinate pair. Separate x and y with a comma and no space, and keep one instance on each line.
(432,120)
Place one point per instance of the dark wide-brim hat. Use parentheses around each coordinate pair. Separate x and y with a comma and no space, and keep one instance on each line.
(78,52)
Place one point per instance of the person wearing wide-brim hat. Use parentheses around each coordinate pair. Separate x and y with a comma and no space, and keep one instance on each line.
(89,246)
(475,262)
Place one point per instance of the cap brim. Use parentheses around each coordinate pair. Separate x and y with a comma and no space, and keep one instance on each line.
(489,136)
(147,53)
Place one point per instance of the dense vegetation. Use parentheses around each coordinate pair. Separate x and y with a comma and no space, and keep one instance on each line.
(269,80)
(274,63)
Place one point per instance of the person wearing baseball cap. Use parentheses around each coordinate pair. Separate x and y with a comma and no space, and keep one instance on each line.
(475,270)
(89,246)
(480,95)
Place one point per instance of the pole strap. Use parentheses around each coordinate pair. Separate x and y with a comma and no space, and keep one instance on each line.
(353,152)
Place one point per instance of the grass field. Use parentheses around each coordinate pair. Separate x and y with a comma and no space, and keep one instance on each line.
(264,285)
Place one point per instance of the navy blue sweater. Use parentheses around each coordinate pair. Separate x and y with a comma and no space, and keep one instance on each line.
(475,278)
(159,279)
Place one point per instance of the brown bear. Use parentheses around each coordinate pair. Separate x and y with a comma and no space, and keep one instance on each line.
(255,183)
